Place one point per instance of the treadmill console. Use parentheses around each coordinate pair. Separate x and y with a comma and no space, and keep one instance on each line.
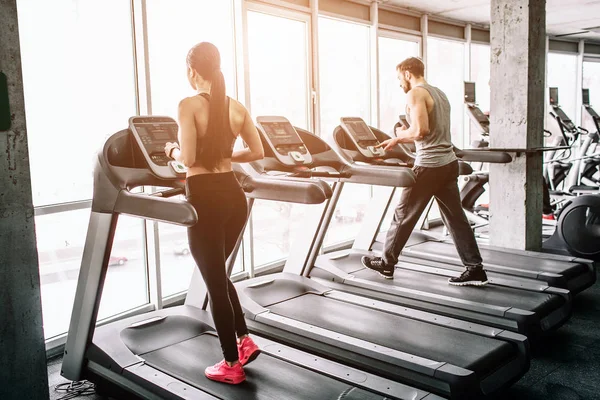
(362,136)
(151,134)
(284,141)
(470,92)
(553,96)
(585,94)
(404,121)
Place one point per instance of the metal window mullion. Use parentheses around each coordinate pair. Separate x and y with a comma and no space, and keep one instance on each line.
(251,246)
(579,84)
(425,32)
(468,77)
(136,88)
(239,40)
(316,89)
(146,57)
(246,58)
(153,265)
(374,65)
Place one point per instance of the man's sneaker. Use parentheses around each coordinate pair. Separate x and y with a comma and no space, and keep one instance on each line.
(247,350)
(376,264)
(471,277)
(221,372)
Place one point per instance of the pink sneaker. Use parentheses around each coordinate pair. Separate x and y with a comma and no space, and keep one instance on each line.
(247,350)
(221,372)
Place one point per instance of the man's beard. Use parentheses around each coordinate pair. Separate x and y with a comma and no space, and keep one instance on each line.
(406,86)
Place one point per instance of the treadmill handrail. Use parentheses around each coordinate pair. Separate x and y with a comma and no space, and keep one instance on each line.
(161,209)
(487,156)
(395,176)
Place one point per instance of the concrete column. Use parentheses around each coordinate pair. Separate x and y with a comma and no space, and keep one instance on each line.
(23,373)
(518,34)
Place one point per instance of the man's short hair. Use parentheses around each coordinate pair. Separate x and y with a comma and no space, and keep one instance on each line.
(413,65)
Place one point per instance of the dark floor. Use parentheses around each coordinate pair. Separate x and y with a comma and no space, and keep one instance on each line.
(567,366)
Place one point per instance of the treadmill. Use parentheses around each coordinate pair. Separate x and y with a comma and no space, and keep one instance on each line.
(445,355)
(162,354)
(561,271)
(521,305)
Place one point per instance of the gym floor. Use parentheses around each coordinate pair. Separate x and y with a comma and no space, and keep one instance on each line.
(566,366)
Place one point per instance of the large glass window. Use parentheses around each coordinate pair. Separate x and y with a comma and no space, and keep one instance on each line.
(279,85)
(349,214)
(562,73)
(173,28)
(345,73)
(445,69)
(480,74)
(79,89)
(392,99)
(60,251)
(279,64)
(591,81)
(276,225)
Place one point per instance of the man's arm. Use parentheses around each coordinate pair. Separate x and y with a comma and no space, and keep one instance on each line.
(417,104)
(419,117)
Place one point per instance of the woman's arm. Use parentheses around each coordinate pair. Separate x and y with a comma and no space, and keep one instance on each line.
(255,150)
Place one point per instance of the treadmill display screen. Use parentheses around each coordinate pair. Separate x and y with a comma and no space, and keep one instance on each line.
(281,133)
(469,92)
(157,135)
(554,96)
(586,97)
(360,131)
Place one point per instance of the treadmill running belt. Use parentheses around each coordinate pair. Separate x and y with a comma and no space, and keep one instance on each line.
(266,377)
(567,269)
(543,303)
(463,349)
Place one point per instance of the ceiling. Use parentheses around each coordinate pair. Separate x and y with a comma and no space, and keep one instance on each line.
(569,19)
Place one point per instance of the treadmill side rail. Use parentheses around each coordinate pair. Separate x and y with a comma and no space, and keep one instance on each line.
(369,349)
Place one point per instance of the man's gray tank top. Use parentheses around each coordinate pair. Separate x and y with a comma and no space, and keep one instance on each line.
(435,149)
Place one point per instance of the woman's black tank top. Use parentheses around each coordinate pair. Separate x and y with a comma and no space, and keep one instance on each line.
(228,137)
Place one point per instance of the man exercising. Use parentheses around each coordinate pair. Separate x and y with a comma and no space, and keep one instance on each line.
(436,170)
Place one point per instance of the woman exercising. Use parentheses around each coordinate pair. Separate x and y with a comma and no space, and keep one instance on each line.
(209,123)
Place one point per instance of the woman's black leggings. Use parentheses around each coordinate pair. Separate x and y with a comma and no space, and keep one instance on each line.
(222,212)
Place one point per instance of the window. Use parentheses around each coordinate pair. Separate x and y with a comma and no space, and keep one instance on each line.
(173,29)
(445,69)
(279,85)
(480,74)
(276,225)
(279,67)
(79,88)
(126,284)
(60,242)
(392,99)
(349,214)
(562,73)
(345,73)
(591,80)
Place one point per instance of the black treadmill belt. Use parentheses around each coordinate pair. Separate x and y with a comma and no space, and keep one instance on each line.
(266,377)
(543,303)
(463,349)
(567,269)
